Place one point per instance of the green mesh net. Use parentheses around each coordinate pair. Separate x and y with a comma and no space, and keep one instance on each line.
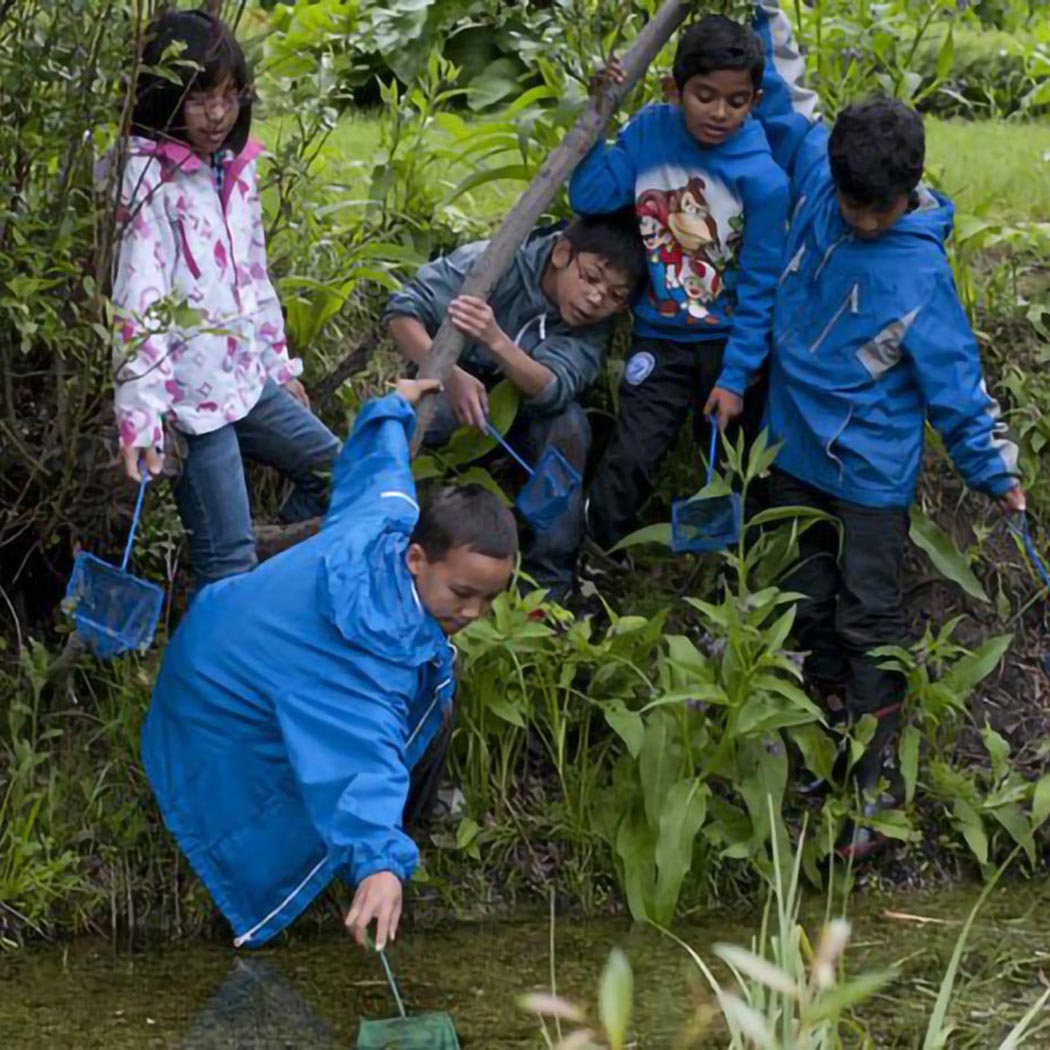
(431,1031)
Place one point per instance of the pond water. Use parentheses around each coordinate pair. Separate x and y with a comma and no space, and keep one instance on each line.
(310,994)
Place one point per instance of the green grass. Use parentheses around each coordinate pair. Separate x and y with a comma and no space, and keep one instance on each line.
(1004,167)
(998,166)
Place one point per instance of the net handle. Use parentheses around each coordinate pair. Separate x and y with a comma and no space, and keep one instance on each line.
(503,441)
(389,974)
(713,423)
(1018,525)
(135,519)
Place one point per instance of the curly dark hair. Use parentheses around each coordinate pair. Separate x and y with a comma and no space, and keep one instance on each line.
(877,151)
(714,43)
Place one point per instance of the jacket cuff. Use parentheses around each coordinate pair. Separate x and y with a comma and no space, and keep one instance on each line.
(735,380)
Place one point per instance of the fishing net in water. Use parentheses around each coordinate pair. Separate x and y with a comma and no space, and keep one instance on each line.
(257,1009)
(429,1031)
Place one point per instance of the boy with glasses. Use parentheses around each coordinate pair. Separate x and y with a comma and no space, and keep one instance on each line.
(545,329)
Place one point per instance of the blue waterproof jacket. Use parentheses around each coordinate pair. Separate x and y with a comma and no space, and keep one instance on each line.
(293,700)
(869,337)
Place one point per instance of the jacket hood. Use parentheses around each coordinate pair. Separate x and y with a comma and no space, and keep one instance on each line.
(369,594)
(933,219)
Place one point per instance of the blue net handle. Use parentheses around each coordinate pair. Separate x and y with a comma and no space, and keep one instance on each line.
(135,518)
(713,422)
(1018,525)
(500,438)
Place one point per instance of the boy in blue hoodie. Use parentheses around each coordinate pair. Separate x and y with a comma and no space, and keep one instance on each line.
(869,342)
(712,208)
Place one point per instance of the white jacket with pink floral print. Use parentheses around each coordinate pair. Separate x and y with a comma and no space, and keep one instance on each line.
(182,241)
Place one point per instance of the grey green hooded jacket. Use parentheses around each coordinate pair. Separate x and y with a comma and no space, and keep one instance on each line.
(523,311)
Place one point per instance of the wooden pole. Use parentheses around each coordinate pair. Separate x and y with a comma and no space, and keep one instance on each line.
(496,259)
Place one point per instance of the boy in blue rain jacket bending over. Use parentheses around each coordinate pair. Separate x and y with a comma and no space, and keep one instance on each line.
(294,700)
(869,341)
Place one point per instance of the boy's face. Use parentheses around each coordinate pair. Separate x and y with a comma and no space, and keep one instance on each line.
(585,287)
(869,220)
(715,104)
(458,589)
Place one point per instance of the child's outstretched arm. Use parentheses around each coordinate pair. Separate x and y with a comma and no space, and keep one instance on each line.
(346,752)
(761,260)
(604,180)
(374,467)
(789,111)
(145,338)
(947,366)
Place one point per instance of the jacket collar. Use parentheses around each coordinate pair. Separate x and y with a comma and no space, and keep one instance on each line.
(175,154)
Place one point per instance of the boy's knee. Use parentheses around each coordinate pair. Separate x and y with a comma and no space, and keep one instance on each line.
(569,431)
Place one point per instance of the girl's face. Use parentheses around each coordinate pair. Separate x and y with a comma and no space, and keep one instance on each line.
(210,115)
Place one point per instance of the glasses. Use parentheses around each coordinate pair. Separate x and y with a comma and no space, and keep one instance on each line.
(201,102)
(619,297)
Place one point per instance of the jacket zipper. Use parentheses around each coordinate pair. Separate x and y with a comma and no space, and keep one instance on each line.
(850,303)
(245,937)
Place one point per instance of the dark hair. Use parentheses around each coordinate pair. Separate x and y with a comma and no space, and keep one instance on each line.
(209,53)
(465,516)
(616,238)
(714,43)
(877,150)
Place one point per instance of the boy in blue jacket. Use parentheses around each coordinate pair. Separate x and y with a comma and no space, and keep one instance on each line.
(869,342)
(711,204)
(293,701)
(545,328)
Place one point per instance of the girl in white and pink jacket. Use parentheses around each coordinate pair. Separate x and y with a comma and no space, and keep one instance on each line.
(216,376)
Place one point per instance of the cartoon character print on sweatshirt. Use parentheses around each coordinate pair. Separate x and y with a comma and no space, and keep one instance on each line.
(691,228)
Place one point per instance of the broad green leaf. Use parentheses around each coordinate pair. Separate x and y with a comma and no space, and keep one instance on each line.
(969,823)
(757,968)
(615,997)
(947,559)
(660,533)
(833,1003)
(1041,801)
(818,748)
(659,764)
(972,669)
(998,751)
(1018,826)
(627,725)
(908,750)
(946,56)
(681,816)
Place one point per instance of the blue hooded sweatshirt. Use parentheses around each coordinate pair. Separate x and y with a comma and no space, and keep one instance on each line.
(713,219)
(293,701)
(869,337)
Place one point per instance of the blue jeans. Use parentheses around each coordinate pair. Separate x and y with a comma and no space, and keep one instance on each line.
(212,493)
(550,557)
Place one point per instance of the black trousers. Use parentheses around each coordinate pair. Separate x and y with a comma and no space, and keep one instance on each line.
(662,382)
(853,604)
(425,779)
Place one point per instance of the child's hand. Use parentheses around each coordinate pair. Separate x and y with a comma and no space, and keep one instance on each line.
(610,74)
(298,391)
(413,390)
(152,458)
(725,405)
(474,317)
(378,897)
(1014,501)
(468,399)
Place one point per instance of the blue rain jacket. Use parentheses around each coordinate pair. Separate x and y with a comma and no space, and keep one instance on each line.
(869,337)
(293,700)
